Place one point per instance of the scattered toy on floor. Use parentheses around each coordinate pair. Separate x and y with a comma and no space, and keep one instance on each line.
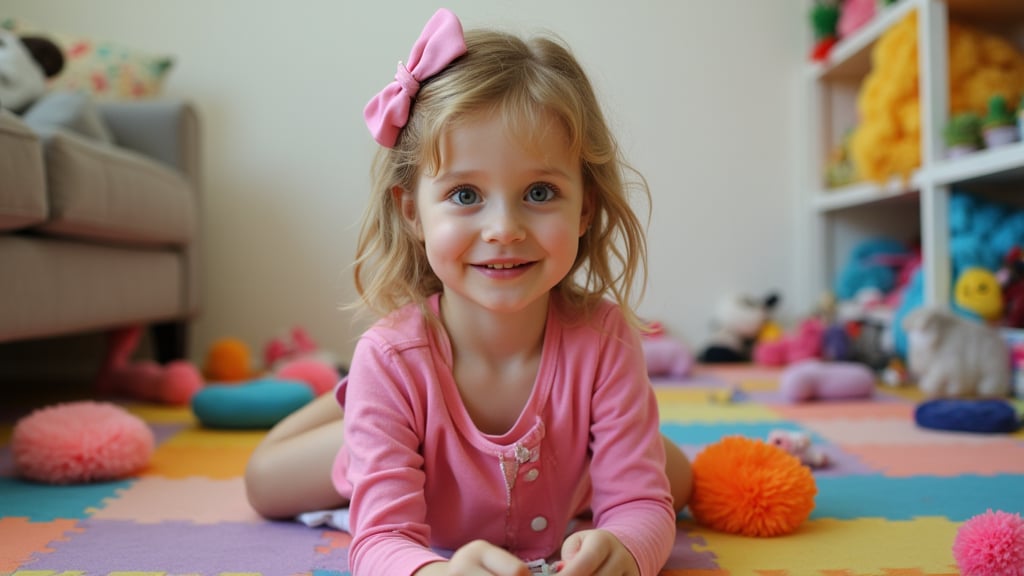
(253,405)
(985,415)
(228,360)
(666,355)
(80,442)
(799,444)
(737,322)
(732,394)
(952,356)
(990,544)
(174,383)
(748,487)
(297,345)
(820,380)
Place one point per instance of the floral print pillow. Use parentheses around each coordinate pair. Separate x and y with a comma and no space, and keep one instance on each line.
(108,70)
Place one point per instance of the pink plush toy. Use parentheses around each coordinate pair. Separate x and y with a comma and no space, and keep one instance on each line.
(819,380)
(666,356)
(799,444)
(854,14)
(174,383)
(804,344)
(320,376)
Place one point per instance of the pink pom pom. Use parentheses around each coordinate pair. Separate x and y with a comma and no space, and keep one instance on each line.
(319,375)
(991,544)
(80,442)
(181,381)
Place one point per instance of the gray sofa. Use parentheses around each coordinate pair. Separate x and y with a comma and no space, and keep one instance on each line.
(99,220)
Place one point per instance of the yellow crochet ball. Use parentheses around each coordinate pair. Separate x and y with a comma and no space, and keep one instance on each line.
(749,487)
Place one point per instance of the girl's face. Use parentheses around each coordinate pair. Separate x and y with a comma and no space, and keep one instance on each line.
(500,222)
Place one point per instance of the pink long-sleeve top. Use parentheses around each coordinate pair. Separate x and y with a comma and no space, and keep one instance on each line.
(421,477)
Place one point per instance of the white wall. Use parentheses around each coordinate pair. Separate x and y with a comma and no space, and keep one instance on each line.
(704,96)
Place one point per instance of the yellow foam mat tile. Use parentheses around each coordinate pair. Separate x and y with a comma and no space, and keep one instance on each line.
(828,547)
(202,437)
(157,414)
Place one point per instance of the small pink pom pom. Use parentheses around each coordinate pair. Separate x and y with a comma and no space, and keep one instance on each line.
(991,544)
(80,442)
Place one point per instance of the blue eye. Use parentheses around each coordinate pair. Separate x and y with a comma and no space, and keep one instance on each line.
(540,193)
(464,196)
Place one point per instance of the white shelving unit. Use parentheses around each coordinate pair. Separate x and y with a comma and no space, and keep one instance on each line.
(840,218)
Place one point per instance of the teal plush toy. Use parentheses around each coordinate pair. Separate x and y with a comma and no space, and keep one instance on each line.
(254,405)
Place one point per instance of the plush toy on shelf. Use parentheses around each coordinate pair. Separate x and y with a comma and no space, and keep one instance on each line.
(962,135)
(977,292)
(824,20)
(1000,126)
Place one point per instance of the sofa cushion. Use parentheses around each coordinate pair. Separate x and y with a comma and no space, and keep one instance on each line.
(105,193)
(23,185)
(71,110)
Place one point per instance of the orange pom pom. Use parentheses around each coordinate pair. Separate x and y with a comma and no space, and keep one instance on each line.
(228,361)
(749,487)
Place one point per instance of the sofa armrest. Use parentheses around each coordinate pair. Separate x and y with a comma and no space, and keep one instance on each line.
(165,130)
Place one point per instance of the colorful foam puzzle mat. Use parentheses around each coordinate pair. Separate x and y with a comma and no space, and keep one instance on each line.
(889,504)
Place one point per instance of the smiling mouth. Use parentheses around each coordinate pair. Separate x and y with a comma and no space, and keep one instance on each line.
(504,266)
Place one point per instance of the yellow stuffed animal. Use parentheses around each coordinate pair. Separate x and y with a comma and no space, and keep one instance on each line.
(887,141)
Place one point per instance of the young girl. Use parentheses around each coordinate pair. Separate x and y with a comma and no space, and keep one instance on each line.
(502,394)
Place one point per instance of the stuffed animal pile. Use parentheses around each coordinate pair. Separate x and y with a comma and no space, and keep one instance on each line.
(887,141)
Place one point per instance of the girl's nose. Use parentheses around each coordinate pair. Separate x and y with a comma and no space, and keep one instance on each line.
(504,225)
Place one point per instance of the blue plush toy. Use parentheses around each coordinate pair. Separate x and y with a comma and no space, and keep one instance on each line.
(867,268)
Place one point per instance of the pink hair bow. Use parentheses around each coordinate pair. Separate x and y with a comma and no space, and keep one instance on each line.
(440,43)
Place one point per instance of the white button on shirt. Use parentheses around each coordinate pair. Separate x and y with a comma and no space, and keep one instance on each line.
(532,475)
(539,523)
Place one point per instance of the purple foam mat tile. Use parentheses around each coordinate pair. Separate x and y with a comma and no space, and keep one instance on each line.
(684,556)
(187,548)
(163,432)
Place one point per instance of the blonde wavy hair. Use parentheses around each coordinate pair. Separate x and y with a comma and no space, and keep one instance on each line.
(521,80)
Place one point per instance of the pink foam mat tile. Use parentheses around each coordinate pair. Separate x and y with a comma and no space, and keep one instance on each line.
(848,410)
(891,431)
(155,499)
(21,538)
(993,457)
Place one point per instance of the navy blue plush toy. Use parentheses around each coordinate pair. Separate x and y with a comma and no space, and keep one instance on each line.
(987,416)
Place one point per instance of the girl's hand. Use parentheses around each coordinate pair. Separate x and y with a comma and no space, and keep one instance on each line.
(478,558)
(596,553)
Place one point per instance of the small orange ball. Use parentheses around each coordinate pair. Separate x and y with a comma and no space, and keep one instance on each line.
(228,361)
(745,486)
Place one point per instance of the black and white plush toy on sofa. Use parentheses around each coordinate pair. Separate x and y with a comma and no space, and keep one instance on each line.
(26,62)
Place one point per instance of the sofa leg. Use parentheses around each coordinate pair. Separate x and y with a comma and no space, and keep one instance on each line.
(170,341)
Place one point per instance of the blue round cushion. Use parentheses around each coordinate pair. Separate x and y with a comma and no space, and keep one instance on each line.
(258,404)
(989,416)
